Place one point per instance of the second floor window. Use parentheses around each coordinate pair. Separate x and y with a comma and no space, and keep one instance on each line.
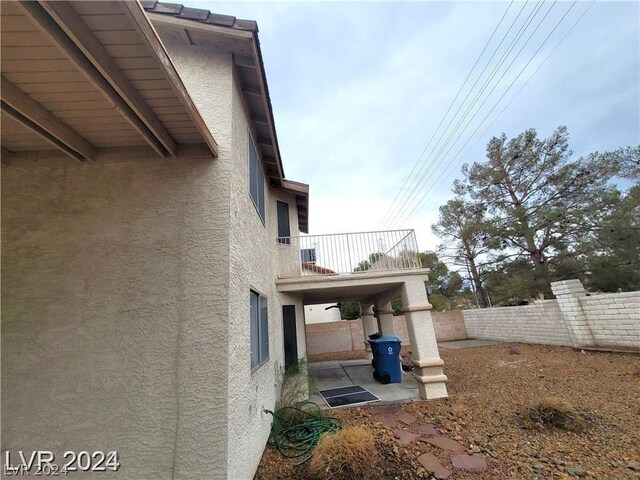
(284,228)
(256,180)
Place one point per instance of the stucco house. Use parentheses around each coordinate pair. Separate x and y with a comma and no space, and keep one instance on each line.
(152,246)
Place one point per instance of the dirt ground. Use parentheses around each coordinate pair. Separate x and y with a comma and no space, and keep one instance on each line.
(489,388)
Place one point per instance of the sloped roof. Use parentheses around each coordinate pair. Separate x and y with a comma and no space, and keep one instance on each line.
(243,42)
(317,268)
(200,15)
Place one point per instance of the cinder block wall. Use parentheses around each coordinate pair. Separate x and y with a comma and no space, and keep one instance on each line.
(449,326)
(346,336)
(614,318)
(541,322)
(329,337)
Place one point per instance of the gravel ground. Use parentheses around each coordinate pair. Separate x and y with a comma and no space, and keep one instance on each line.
(489,387)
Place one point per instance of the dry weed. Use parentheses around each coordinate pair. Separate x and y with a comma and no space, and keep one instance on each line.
(347,454)
(554,412)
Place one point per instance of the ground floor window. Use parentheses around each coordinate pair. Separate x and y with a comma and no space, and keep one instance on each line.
(259,330)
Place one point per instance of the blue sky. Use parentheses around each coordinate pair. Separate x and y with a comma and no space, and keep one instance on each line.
(359,88)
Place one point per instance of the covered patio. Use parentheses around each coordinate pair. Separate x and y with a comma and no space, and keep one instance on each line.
(371,268)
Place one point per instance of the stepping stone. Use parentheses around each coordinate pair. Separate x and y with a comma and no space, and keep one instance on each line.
(405,438)
(425,429)
(382,409)
(433,465)
(387,421)
(445,444)
(469,462)
(406,418)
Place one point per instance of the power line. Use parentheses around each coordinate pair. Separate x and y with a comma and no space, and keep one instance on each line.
(410,192)
(530,78)
(450,106)
(434,160)
(483,88)
(422,199)
(433,183)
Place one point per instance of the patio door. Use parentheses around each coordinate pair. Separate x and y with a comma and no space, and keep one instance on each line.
(290,336)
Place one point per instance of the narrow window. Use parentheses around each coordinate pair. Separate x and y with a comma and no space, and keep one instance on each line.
(255,345)
(284,229)
(259,328)
(256,180)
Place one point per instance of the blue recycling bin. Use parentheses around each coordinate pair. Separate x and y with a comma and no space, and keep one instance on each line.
(386,359)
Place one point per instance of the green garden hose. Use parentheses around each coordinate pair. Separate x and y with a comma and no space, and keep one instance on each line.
(296,430)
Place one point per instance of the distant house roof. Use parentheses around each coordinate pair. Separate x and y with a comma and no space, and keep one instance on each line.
(317,268)
(240,37)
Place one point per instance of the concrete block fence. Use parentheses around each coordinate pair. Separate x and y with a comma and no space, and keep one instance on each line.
(574,319)
(346,335)
(540,322)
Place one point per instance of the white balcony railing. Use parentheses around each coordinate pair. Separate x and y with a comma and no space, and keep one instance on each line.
(353,253)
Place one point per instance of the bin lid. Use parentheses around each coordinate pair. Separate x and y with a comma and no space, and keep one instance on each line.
(389,339)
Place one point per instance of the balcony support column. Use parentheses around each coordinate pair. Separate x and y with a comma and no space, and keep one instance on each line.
(369,326)
(425,356)
(384,314)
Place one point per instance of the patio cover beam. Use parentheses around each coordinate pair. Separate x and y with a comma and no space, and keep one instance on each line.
(139,19)
(75,49)
(38,119)
(196,151)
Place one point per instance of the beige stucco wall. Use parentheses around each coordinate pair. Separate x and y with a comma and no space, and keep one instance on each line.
(125,307)
(254,264)
(114,304)
(318,314)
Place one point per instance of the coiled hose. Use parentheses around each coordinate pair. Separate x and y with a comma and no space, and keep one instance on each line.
(296,430)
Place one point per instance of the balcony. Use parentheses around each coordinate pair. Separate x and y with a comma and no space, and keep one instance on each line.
(373,269)
(349,253)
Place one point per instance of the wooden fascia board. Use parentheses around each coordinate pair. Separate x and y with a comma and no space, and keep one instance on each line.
(43,118)
(259,119)
(268,162)
(170,20)
(130,154)
(246,62)
(300,191)
(296,187)
(265,101)
(253,91)
(144,26)
(59,37)
(73,25)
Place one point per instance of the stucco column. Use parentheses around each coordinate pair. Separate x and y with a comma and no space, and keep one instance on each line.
(385,317)
(369,326)
(424,349)
(568,293)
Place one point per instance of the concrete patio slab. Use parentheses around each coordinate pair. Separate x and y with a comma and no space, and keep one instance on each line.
(469,343)
(360,372)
